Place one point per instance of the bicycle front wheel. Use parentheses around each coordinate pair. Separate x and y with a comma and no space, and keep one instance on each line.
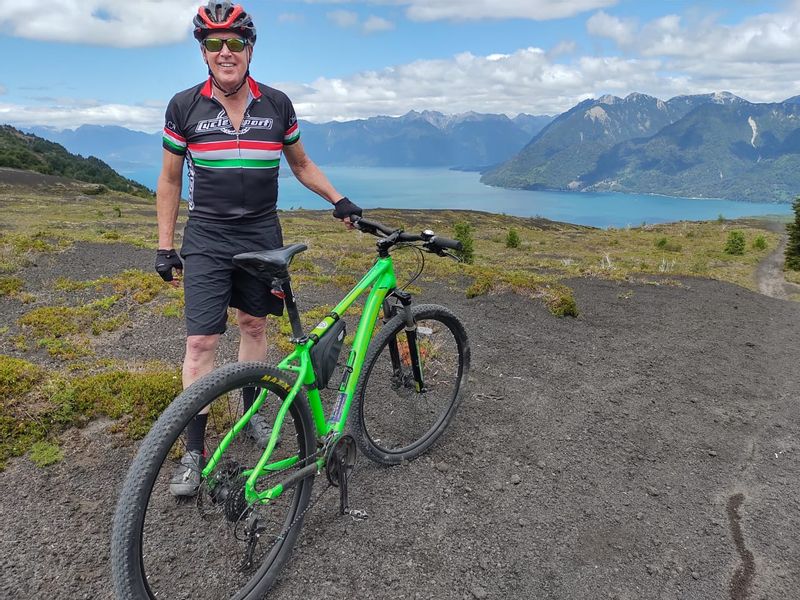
(211,544)
(402,404)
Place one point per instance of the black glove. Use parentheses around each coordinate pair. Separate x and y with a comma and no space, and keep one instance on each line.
(344,208)
(166,260)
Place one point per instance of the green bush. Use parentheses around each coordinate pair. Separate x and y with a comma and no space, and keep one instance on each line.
(760,243)
(664,244)
(736,243)
(512,239)
(463,233)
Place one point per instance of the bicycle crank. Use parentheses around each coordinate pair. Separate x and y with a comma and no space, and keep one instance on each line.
(341,461)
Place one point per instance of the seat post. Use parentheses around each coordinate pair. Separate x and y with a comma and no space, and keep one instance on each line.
(291,310)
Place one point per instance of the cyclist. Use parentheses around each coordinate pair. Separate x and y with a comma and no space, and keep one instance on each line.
(230,131)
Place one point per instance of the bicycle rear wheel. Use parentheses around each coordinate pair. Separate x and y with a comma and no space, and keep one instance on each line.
(211,545)
(395,420)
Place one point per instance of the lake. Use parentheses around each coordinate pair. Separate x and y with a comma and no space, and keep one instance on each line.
(379,187)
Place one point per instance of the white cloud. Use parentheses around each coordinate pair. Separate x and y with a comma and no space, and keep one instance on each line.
(343,18)
(524,81)
(120,23)
(464,10)
(145,118)
(756,58)
(769,37)
(669,56)
(374,24)
(470,10)
(2,90)
(348,19)
(290,18)
(622,31)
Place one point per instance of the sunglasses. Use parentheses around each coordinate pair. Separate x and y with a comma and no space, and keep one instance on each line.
(233,44)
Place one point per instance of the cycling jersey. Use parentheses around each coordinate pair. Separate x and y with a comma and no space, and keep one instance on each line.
(233,175)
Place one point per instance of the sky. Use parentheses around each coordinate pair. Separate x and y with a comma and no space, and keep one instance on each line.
(118,62)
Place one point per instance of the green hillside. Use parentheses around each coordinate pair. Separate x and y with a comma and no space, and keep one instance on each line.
(743,151)
(31,153)
(712,145)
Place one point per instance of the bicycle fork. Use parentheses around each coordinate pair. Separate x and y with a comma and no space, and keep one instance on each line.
(411,338)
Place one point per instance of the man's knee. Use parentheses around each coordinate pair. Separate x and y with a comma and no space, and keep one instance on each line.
(252,327)
(199,346)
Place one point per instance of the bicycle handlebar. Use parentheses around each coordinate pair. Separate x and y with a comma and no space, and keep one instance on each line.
(431,241)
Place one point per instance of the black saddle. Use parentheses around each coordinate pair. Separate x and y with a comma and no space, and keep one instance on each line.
(268,264)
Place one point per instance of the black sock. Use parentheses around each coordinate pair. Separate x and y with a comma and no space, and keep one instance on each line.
(196,433)
(248,396)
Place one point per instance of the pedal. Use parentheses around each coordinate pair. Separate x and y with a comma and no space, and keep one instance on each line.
(356,514)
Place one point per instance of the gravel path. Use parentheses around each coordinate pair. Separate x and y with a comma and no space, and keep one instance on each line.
(647,449)
(769,275)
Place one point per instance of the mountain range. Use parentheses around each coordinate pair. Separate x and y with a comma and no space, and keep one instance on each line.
(416,139)
(711,145)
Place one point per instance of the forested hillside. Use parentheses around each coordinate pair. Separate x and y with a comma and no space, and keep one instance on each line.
(32,153)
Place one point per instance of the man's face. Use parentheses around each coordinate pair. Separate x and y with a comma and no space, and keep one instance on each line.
(227,67)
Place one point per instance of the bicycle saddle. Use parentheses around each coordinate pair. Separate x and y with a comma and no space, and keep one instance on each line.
(268,263)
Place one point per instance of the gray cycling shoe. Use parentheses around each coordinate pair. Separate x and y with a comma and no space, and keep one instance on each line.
(186,477)
(258,430)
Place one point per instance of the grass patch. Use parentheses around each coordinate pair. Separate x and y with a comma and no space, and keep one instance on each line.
(37,405)
(44,454)
(60,321)
(10,286)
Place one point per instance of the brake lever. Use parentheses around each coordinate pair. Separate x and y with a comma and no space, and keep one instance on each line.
(442,252)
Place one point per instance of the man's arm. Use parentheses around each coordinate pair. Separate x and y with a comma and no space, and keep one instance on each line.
(308,173)
(168,198)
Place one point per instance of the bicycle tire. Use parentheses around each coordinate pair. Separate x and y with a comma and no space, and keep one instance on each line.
(188,562)
(393,421)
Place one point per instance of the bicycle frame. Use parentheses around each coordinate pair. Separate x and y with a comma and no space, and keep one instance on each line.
(380,280)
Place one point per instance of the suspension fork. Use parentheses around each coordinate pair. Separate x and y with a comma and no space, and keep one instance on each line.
(411,337)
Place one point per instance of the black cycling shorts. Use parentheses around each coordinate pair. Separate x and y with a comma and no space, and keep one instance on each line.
(210,281)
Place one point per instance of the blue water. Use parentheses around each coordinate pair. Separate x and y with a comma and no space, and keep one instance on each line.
(376,187)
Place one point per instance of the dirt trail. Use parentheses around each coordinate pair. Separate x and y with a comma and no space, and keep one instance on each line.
(769,275)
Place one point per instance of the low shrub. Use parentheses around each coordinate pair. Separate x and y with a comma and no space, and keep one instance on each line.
(512,239)
(463,233)
(735,244)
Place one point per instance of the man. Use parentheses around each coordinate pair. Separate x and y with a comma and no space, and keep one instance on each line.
(231,132)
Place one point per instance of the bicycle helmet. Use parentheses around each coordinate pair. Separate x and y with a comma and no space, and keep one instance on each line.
(223,16)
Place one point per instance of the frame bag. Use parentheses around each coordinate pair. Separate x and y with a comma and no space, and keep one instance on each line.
(325,353)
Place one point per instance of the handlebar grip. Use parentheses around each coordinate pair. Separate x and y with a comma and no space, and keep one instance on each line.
(367,225)
(447,243)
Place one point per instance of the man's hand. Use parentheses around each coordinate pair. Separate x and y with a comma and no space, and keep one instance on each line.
(343,208)
(166,261)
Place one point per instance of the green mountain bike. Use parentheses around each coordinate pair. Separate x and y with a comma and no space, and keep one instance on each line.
(403,380)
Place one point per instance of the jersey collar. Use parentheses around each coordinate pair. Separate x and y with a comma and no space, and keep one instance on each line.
(208,88)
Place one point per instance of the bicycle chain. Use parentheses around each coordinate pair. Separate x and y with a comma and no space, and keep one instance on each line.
(281,536)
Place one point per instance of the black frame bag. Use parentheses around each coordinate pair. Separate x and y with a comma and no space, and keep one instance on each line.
(325,353)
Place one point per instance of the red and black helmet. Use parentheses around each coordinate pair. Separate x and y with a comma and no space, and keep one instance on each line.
(223,16)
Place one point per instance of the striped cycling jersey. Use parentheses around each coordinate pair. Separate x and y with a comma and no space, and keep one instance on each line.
(233,175)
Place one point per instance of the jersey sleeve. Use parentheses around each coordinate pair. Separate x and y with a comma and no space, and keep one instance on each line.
(292,134)
(173,139)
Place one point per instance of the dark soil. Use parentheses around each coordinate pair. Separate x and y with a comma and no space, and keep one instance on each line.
(646,449)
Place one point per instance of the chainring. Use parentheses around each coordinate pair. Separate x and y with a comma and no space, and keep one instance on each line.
(341,459)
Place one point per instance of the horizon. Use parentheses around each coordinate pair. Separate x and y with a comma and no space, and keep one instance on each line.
(415,111)
(108,62)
